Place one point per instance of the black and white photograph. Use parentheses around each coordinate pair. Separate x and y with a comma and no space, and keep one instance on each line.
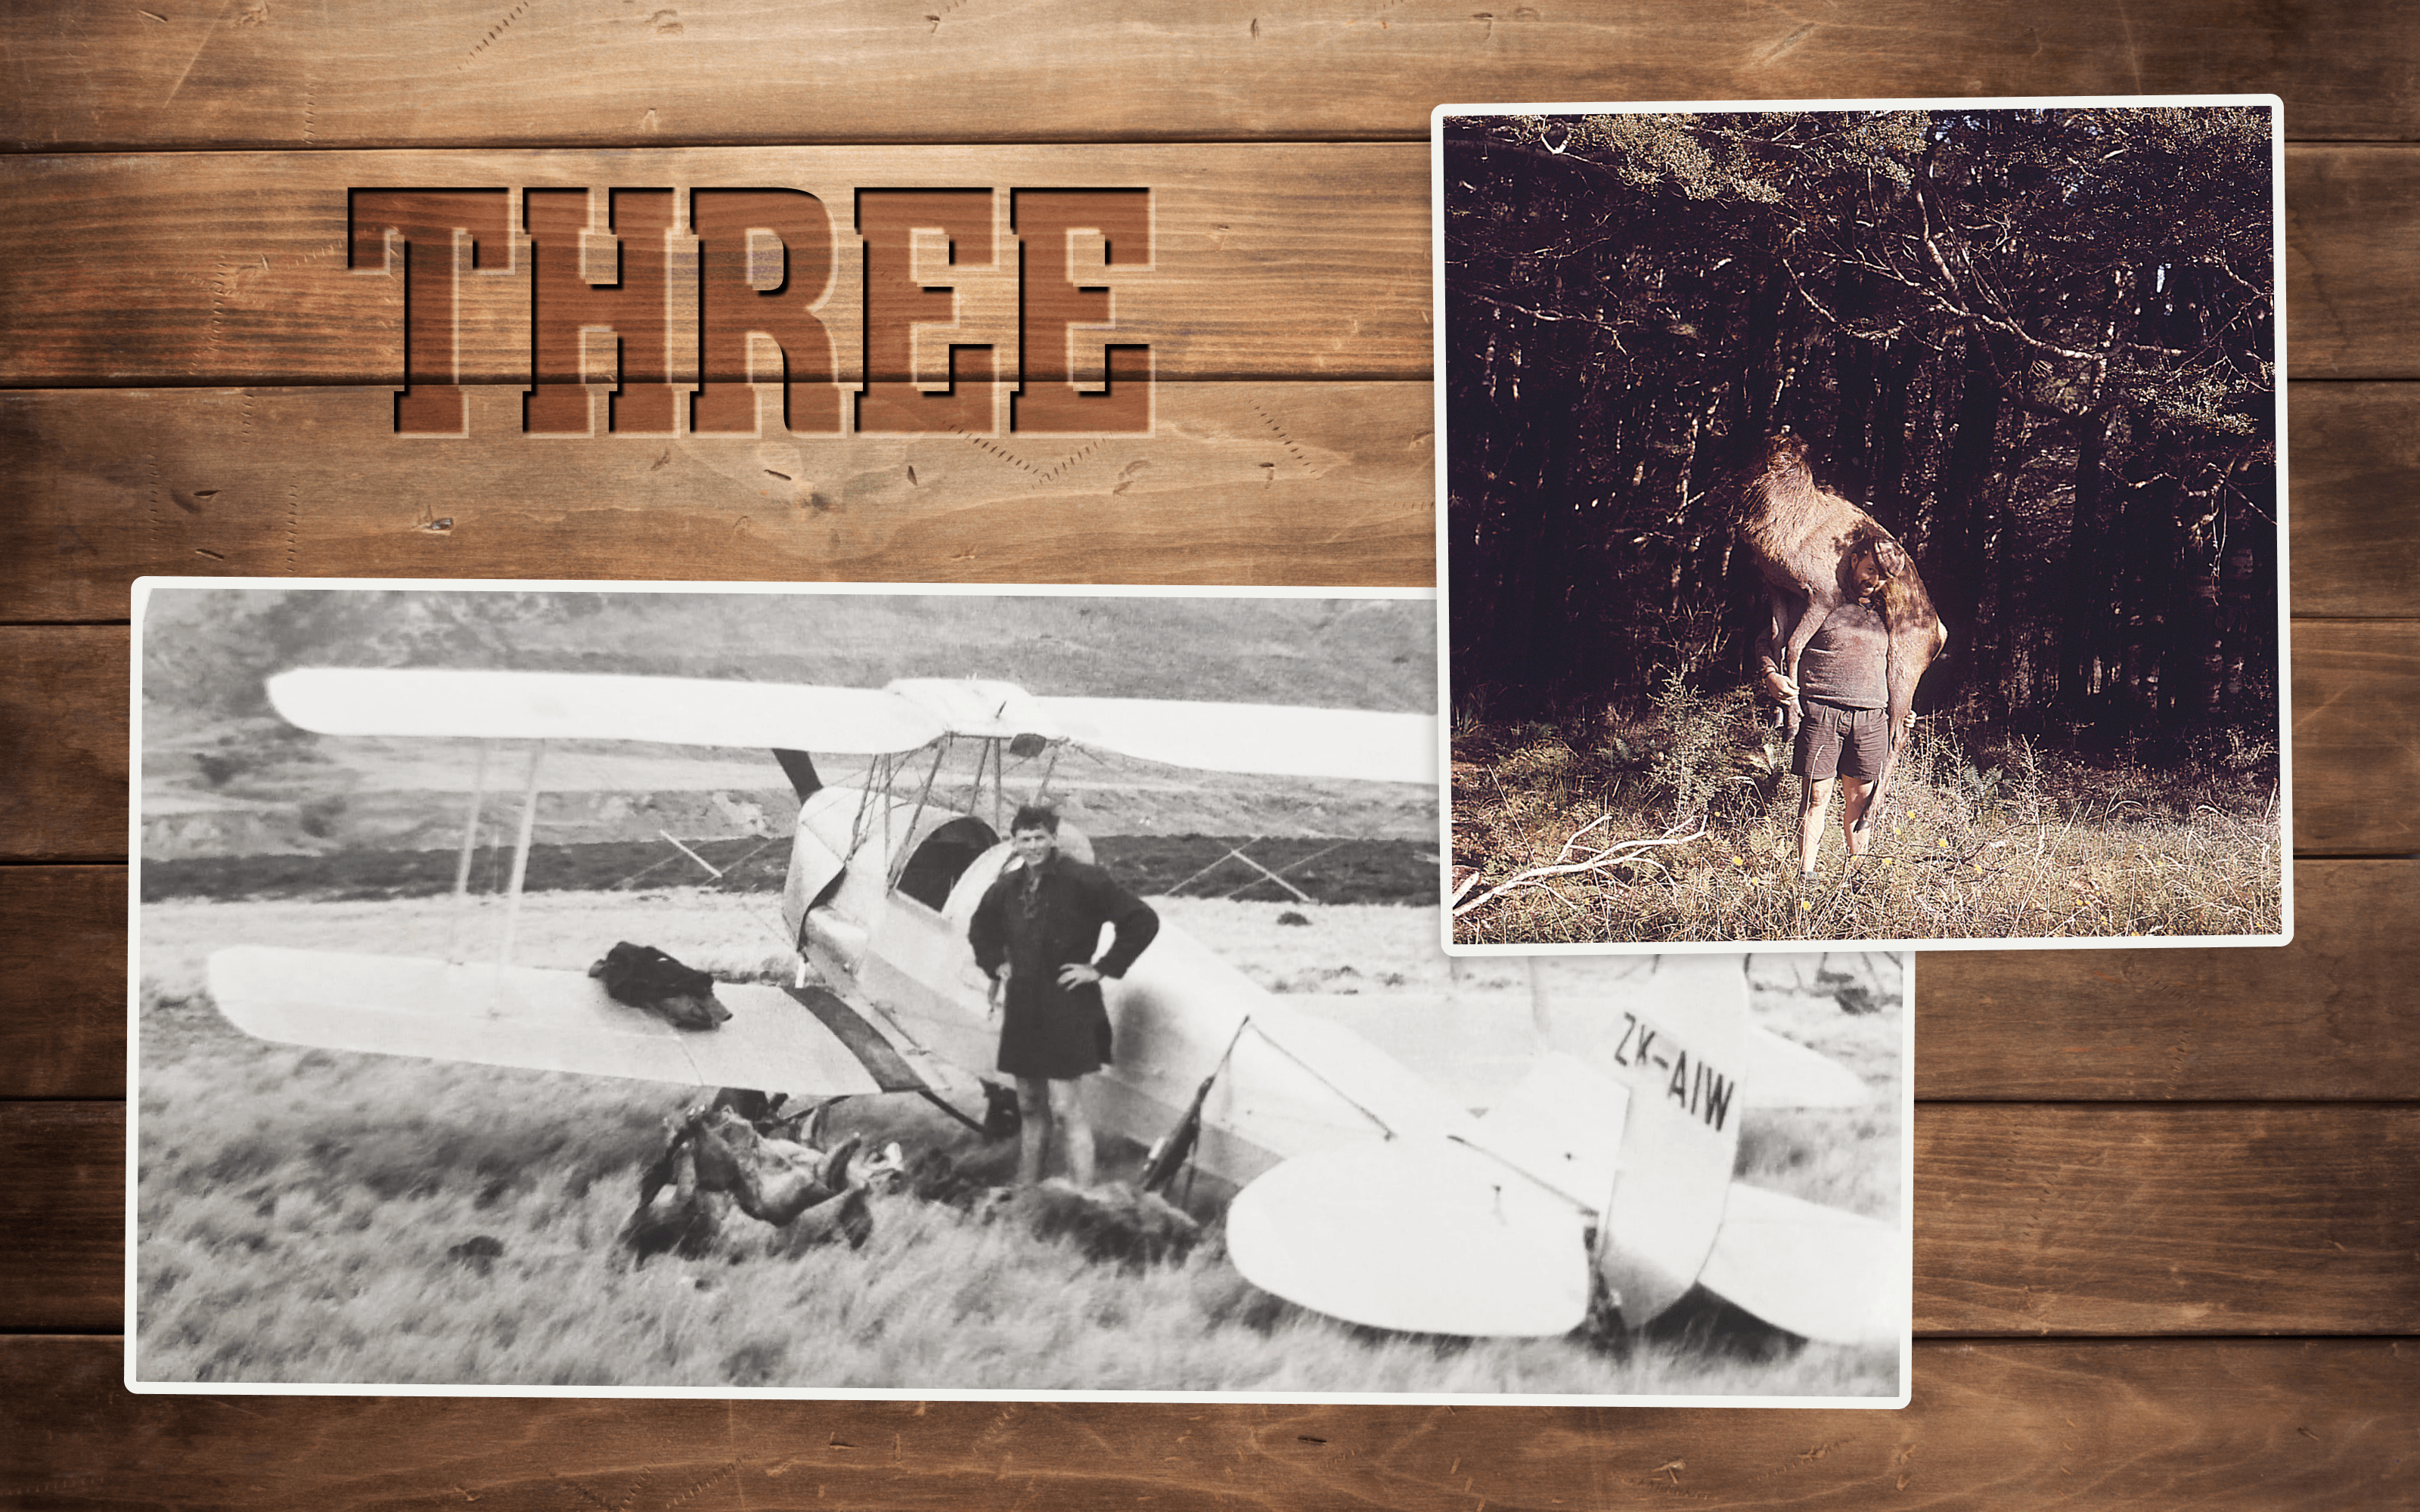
(556,989)
(1864,523)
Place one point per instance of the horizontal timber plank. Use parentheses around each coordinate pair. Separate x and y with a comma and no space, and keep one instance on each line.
(1304,260)
(2353,256)
(2329,1017)
(2356,758)
(63,733)
(353,74)
(63,1185)
(2205,1219)
(2332,1015)
(1238,483)
(1311,483)
(63,962)
(2354,460)
(2010,1425)
(2356,739)
(1281,261)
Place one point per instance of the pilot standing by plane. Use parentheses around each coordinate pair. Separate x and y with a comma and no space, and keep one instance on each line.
(1033,934)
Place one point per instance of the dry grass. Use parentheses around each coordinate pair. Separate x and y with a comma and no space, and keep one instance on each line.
(295,1209)
(2006,846)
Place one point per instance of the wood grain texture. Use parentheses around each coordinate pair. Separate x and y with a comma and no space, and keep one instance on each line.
(1270,261)
(2210,1219)
(2356,696)
(1244,483)
(2218,1219)
(1267,261)
(2356,739)
(2009,1425)
(62,982)
(63,726)
(2002,1422)
(1240,483)
(2354,456)
(2352,255)
(2324,1019)
(63,1185)
(2331,1016)
(353,74)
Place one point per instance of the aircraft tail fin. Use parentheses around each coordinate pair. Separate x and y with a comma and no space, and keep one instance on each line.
(1680,1050)
(1826,1273)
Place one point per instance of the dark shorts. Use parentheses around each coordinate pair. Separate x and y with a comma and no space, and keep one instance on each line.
(1056,1036)
(1837,742)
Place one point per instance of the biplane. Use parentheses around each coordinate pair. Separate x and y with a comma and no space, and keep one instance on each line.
(1363,1188)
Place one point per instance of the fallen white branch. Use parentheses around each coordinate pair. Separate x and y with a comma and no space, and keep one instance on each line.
(1601,861)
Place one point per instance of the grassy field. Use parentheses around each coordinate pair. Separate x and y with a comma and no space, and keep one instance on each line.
(301,1214)
(1695,801)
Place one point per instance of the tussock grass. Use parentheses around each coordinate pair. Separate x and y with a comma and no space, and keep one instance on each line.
(1998,844)
(296,1209)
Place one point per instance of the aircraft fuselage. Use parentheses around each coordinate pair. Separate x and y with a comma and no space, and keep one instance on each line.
(1292,1084)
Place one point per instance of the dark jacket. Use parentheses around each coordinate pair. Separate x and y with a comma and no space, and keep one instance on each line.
(1048,1030)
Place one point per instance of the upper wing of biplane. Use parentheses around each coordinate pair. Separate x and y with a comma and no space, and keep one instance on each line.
(1278,739)
(682,711)
(501,1013)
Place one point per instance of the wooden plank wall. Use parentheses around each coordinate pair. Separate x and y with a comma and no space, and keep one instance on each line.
(2169,1246)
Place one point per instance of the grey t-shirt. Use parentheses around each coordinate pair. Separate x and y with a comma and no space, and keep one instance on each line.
(1848,662)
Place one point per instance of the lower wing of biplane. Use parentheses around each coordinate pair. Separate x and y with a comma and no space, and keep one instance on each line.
(804,1041)
(807,1039)
(1603,1175)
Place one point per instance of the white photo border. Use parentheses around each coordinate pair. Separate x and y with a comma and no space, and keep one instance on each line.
(144,588)
(2275,108)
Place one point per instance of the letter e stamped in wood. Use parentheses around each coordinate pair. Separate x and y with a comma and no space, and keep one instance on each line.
(889,219)
(1058,309)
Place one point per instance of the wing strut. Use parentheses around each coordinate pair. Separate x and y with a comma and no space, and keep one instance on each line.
(520,853)
(1167,1156)
(799,768)
(903,853)
(463,862)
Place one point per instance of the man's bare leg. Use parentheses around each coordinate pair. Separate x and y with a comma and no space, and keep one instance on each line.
(1856,794)
(1814,798)
(1075,1129)
(1033,1104)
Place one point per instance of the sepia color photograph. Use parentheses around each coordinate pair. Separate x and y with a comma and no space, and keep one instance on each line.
(1017,994)
(1864,523)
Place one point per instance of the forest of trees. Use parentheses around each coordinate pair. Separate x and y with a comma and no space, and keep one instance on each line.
(2040,345)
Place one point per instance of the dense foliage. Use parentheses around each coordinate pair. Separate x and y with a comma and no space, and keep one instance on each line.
(2038,345)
